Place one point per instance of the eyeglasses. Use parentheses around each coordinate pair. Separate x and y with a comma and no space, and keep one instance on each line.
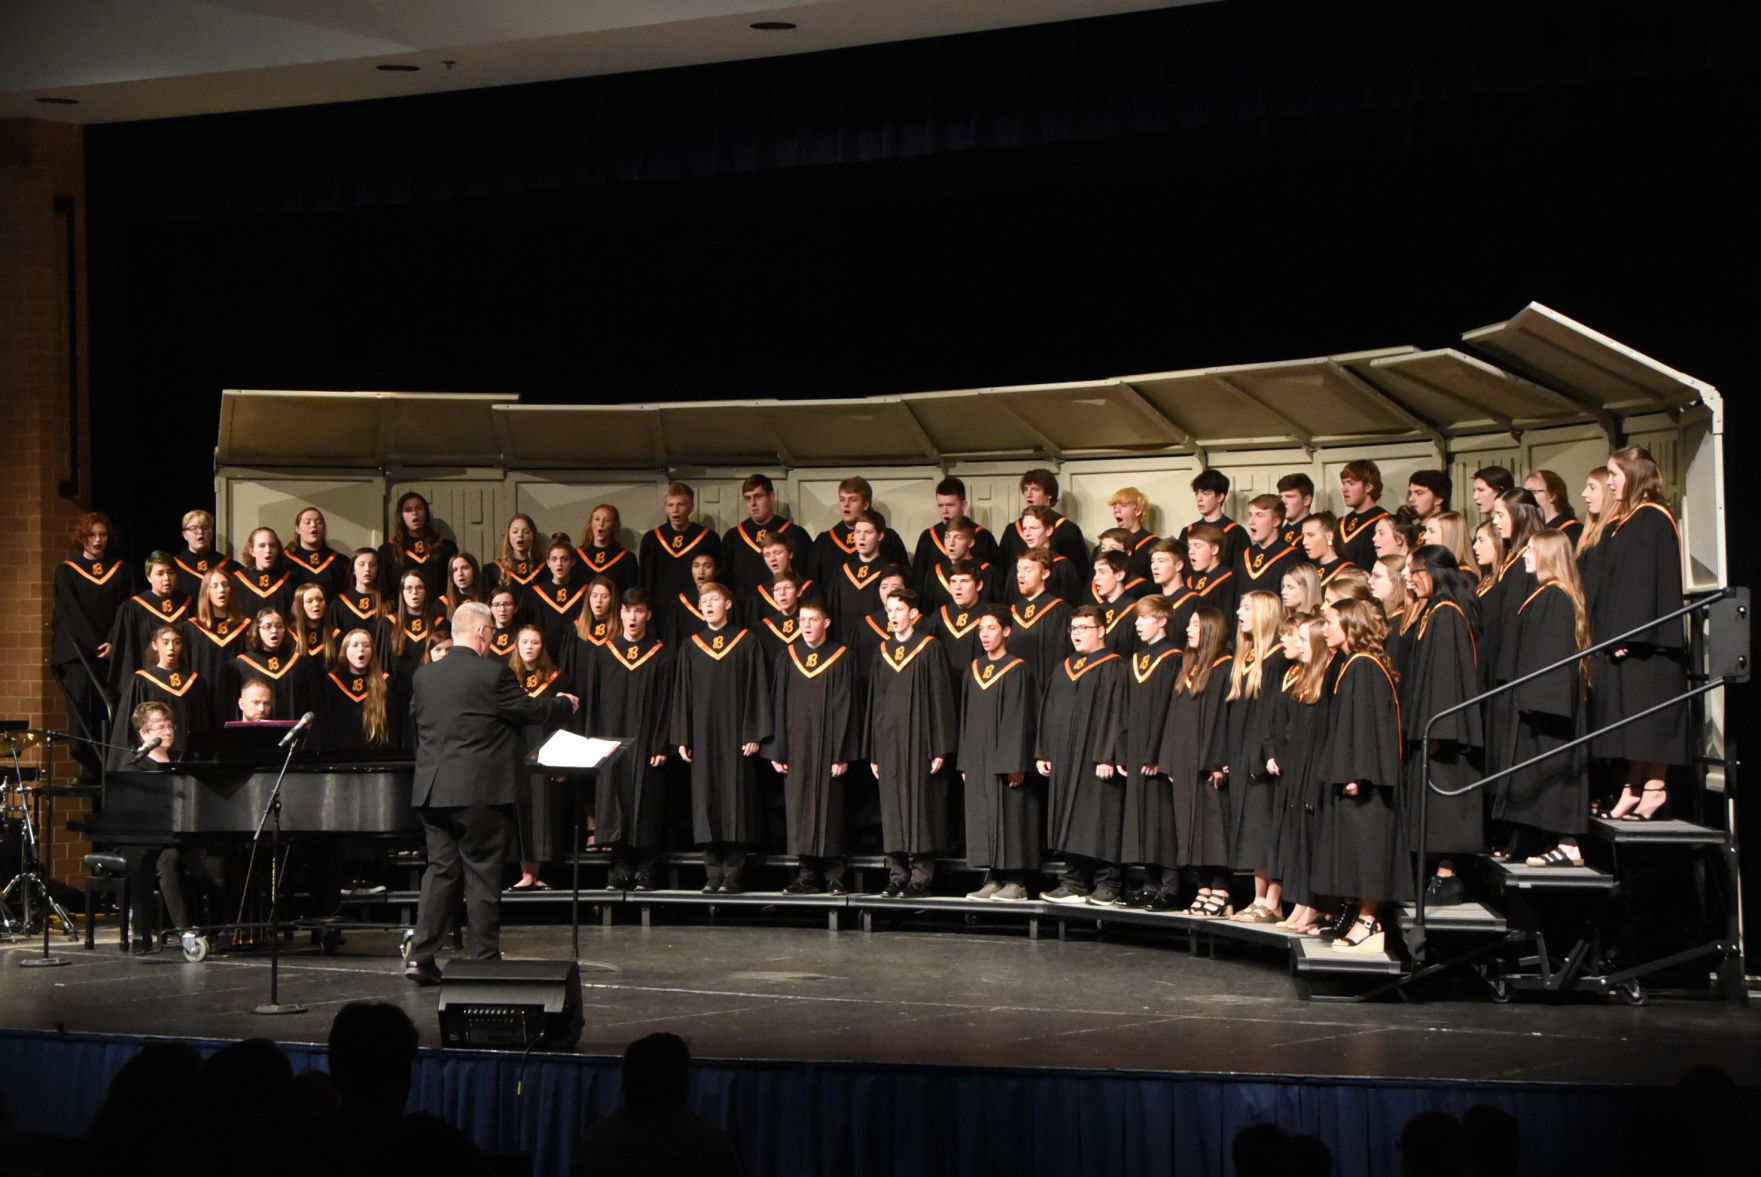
(1079,628)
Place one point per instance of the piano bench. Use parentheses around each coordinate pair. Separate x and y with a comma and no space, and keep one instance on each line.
(108,875)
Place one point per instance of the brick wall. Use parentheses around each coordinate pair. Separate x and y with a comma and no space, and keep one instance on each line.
(39,162)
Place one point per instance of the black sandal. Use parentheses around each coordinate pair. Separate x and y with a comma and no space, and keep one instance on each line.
(1558,856)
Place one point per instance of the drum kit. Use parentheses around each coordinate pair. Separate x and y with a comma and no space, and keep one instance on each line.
(26,903)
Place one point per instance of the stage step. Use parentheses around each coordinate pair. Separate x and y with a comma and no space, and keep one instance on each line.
(1656,833)
(1457,917)
(1515,876)
(1312,956)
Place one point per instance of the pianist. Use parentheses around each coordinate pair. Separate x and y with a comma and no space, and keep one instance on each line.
(167,867)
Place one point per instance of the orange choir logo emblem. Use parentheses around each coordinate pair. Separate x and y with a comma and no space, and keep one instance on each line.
(165,606)
(719,641)
(1028,616)
(990,670)
(562,595)
(789,627)
(1079,663)
(263,580)
(1143,662)
(98,568)
(176,679)
(812,661)
(417,625)
(421,548)
(360,685)
(631,656)
(960,620)
(677,540)
(763,536)
(275,663)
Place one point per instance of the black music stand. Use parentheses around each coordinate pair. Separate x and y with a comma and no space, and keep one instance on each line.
(577,776)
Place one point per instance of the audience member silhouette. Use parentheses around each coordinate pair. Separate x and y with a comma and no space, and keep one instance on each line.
(1310,1157)
(1262,1150)
(1431,1146)
(245,1091)
(153,1089)
(1494,1142)
(653,1133)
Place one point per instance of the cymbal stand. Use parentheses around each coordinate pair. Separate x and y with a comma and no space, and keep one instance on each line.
(29,881)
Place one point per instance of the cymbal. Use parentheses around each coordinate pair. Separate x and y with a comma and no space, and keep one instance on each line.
(18,741)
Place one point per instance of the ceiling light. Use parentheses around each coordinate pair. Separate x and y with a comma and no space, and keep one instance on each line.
(49,101)
(398,68)
(772,26)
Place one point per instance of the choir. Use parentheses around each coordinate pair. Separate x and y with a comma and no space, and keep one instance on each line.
(1164,716)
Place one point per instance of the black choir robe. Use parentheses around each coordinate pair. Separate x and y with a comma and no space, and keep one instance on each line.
(1039,631)
(625,689)
(1234,539)
(1638,576)
(1356,535)
(911,721)
(429,558)
(1195,745)
(517,575)
(1147,816)
(207,650)
(1553,795)
(325,567)
(1138,552)
(340,728)
(542,808)
(1441,672)
(1216,589)
(1568,525)
(88,596)
(365,611)
(193,568)
(1263,568)
(554,607)
(835,545)
(501,644)
(761,602)
(933,590)
(291,675)
(870,636)
(853,592)
(1297,737)
(721,700)
(932,549)
(957,630)
(1359,851)
(184,691)
(1066,540)
(743,567)
(131,631)
(1332,568)
(1498,606)
(254,590)
(1081,720)
(817,717)
(1290,535)
(664,565)
(418,634)
(777,632)
(1119,619)
(1253,794)
(1067,579)
(614,562)
(999,714)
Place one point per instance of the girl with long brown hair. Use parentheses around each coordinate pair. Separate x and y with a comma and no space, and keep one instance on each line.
(1196,750)
(603,551)
(310,617)
(415,546)
(538,823)
(214,636)
(1359,851)
(1638,577)
(1551,797)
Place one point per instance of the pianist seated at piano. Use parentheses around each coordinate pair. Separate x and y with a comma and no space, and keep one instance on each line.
(174,871)
(168,681)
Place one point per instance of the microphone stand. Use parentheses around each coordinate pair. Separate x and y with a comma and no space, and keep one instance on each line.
(272,818)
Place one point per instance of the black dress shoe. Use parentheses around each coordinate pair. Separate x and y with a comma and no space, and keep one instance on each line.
(711,888)
(1162,901)
(893,890)
(1445,891)
(422,970)
(915,890)
(802,887)
(733,889)
(836,887)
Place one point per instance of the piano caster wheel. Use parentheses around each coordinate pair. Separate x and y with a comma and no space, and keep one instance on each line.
(195,947)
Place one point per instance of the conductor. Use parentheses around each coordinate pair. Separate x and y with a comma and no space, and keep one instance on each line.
(469,717)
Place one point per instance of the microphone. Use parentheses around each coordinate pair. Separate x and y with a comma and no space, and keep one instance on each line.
(293,733)
(140,753)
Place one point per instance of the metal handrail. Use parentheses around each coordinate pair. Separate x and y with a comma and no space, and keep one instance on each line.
(1695,605)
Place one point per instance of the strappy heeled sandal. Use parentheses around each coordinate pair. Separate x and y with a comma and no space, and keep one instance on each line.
(1370,941)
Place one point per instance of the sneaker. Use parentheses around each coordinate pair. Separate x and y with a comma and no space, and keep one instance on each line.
(895,889)
(836,887)
(1104,898)
(803,887)
(916,890)
(988,891)
(1010,893)
(1063,894)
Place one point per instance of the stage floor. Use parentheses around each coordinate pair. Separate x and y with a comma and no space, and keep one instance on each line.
(948,997)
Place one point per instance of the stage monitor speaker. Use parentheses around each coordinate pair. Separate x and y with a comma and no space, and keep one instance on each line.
(511,1004)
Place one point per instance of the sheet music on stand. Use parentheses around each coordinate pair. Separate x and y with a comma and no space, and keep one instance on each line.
(569,755)
(566,749)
